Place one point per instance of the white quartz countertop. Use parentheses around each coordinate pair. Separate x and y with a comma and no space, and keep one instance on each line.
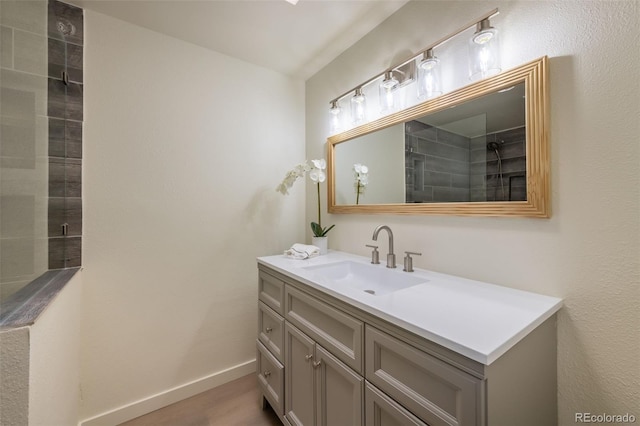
(479,320)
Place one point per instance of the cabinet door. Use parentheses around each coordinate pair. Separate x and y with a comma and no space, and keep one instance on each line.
(270,377)
(299,372)
(339,391)
(433,390)
(380,410)
(271,330)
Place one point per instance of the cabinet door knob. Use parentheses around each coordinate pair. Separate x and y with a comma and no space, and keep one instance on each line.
(308,357)
(268,330)
(266,373)
(317,364)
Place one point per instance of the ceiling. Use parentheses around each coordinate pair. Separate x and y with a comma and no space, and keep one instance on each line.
(297,40)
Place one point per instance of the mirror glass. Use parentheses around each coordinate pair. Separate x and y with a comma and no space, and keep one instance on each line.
(481,150)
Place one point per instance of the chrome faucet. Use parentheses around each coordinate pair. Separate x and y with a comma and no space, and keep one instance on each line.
(391,258)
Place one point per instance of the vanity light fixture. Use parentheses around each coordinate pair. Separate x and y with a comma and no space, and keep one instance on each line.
(388,93)
(358,106)
(484,55)
(429,81)
(335,112)
(484,61)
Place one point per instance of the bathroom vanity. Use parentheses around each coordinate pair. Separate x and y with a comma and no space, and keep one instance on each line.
(342,342)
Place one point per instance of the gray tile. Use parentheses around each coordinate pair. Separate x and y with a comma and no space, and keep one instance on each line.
(57,99)
(73,252)
(65,138)
(18,216)
(57,138)
(20,81)
(65,56)
(6,47)
(453,139)
(30,52)
(57,253)
(460,181)
(478,155)
(436,164)
(518,134)
(437,179)
(436,149)
(57,180)
(57,216)
(74,102)
(18,103)
(25,15)
(65,101)
(17,258)
(450,194)
(73,139)
(65,210)
(420,130)
(65,177)
(65,22)
(18,140)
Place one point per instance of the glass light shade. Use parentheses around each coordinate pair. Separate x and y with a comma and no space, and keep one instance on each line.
(335,117)
(358,107)
(484,53)
(388,93)
(429,80)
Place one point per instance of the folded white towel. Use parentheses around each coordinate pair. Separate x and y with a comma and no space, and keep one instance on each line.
(302,251)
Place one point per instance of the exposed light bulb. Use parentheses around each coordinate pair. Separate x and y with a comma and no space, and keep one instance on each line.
(335,120)
(358,107)
(429,81)
(484,59)
(388,93)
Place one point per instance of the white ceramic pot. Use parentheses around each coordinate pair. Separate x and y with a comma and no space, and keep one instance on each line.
(321,243)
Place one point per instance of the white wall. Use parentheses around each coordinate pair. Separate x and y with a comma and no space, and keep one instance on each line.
(588,252)
(183,150)
(54,373)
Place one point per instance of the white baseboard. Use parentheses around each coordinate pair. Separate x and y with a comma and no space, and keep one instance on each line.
(162,399)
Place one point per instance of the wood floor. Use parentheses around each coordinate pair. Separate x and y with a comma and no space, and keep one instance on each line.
(237,403)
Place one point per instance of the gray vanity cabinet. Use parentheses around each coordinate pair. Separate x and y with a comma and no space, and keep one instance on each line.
(323,362)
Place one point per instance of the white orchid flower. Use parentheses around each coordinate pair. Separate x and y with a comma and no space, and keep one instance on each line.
(319,164)
(317,175)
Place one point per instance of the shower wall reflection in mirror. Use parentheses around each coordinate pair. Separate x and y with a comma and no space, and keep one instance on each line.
(468,156)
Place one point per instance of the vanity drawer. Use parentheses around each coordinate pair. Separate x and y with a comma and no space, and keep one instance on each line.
(380,410)
(338,332)
(270,378)
(438,393)
(271,330)
(271,291)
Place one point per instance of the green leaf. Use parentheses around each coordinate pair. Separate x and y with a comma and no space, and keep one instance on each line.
(326,230)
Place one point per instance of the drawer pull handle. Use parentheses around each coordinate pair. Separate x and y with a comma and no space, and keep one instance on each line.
(308,357)
(268,330)
(317,364)
(266,373)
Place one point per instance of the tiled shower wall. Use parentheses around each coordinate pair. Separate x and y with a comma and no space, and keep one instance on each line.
(441,166)
(513,154)
(40,141)
(436,164)
(65,111)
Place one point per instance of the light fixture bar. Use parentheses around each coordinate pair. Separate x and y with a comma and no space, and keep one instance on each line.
(473,24)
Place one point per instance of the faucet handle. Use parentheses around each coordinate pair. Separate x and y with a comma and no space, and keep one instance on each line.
(408,260)
(375,254)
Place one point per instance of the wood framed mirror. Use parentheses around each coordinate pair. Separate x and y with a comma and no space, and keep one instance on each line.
(481,150)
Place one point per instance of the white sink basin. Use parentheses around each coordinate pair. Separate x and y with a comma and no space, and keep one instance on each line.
(377,280)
